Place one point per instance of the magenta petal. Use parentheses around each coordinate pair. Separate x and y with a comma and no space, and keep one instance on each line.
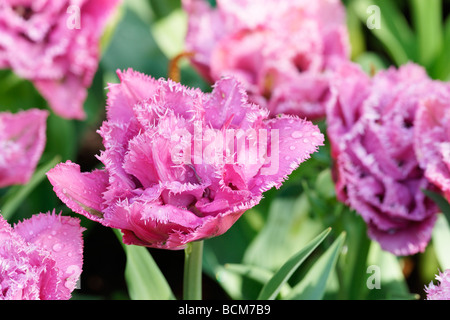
(81,192)
(228,106)
(62,237)
(66,97)
(159,226)
(22,141)
(440,290)
(432,141)
(408,240)
(41,258)
(290,142)
(134,87)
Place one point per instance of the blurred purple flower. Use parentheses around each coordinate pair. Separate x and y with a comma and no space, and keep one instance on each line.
(181,165)
(440,291)
(370,124)
(432,139)
(282,51)
(43,42)
(40,258)
(22,141)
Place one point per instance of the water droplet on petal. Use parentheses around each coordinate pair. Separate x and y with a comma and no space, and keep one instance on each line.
(68,284)
(305,140)
(57,247)
(292,147)
(297,134)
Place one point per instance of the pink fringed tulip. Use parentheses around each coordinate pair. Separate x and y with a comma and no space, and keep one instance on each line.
(54,44)
(432,140)
(181,165)
(440,291)
(370,124)
(40,258)
(22,141)
(282,51)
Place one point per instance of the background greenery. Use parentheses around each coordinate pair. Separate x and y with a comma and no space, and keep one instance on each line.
(270,251)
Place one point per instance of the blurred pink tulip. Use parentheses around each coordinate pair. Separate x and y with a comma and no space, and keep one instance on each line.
(282,51)
(22,141)
(371,127)
(54,44)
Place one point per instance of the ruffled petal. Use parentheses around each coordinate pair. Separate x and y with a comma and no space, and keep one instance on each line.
(80,191)
(62,237)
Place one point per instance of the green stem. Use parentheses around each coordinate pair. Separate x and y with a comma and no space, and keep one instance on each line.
(192,282)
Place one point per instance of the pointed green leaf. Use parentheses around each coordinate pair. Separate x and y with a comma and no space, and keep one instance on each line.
(17,194)
(274,285)
(145,280)
(256,273)
(169,33)
(253,272)
(441,67)
(394,31)
(441,239)
(387,268)
(287,230)
(427,18)
(314,284)
(440,201)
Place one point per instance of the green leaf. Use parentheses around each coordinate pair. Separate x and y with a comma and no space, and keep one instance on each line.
(274,285)
(392,282)
(256,273)
(356,34)
(16,195)
(441,239)
(371,62)
(169,33)
(314,283)
(145,280)
(394,32)
(441,67)
(62,137)
(441,202)
(162,8)
(287,229)
(427,18)
(253,272)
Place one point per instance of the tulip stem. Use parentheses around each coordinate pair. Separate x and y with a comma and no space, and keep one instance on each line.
(192,282)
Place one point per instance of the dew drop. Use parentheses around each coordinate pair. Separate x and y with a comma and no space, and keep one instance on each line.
(57,247)
(292,147)
(297,134)
(68,284)
(287,158)
(305,140)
